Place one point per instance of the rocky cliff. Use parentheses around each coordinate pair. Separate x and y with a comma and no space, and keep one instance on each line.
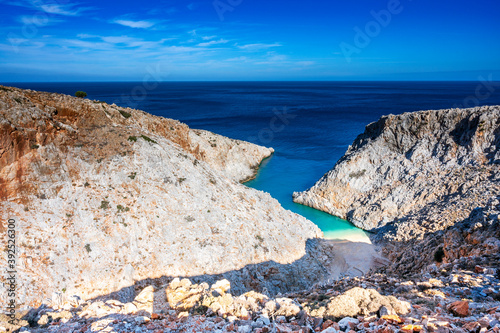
(414,173)
(105,197)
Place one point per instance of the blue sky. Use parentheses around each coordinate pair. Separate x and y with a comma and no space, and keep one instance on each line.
(60,40)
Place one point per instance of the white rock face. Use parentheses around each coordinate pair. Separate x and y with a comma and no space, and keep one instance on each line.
(235,159)
(424,170)
(105,197)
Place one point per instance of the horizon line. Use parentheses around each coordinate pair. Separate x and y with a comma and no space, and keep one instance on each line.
(242,81)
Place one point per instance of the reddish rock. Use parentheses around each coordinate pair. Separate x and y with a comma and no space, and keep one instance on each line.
(262,330)
(326,324)
(492,310)
(459,308)
(472,327)
(283,329)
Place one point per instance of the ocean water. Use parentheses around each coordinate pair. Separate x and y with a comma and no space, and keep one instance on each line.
(309,124)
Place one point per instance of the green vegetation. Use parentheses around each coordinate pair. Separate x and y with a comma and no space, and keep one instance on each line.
(357,174)
(481,125)
(259,238)
(81,94)
(180,180)
(87,247)
(125,115)
(4,89)
(132,175)
(132,138)
(35,146)
(86,184)
(122,209)
(104,204)
(148,139)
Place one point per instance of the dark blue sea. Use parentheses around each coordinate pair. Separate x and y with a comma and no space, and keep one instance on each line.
(309,124)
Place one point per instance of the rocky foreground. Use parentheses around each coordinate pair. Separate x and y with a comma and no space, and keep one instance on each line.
(462,296)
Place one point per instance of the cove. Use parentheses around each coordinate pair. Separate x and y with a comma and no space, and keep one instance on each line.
(280,176)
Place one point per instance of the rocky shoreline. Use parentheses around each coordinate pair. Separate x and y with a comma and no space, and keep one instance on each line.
(417,172)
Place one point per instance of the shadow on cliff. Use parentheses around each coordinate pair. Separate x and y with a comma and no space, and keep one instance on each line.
(478,234)
(464,131)
(325,260)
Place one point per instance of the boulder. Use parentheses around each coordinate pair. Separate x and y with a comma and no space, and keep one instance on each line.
(459,308)
(359,301)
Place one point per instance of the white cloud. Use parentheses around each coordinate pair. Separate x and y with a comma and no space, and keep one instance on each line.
(257,46)
(85,44)
(179,49)
(242,58)
(118,39)
(86,36)
(66,10)
(126,41)
(16,41)
(213,42)
(208,37)
(37,20)
(135,24)
(51,8)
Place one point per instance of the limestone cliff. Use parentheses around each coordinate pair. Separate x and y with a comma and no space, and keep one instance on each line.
(416,172)
(105,196)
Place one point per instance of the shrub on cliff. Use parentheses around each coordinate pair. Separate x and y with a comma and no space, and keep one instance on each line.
(81,94)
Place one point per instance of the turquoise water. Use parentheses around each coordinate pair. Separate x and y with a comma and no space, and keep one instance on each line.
(280,176)
(323,119)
